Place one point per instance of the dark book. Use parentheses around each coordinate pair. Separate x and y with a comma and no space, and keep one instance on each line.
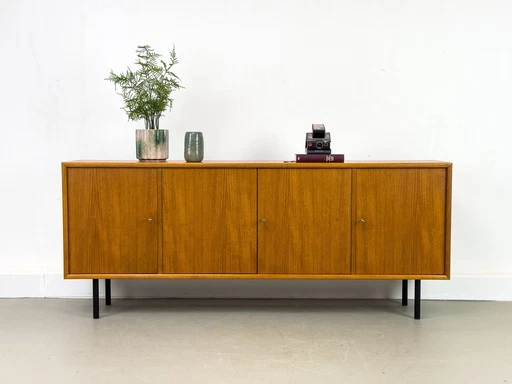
(319,158)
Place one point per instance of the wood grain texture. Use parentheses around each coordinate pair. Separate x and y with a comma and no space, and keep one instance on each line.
(108,227)
(257,276)
(403,232)
(206,220)
(304,221)
(65,224)
(349,164)
(209,220)
(160,262)
(448,221)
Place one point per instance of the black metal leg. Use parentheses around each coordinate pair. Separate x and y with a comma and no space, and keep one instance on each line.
(108,294)
(405,294)
(95,299)
(417,299)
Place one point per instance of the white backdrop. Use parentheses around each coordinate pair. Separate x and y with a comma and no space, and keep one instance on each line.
(390,80)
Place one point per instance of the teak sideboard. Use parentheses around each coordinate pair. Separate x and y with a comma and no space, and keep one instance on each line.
(257,220)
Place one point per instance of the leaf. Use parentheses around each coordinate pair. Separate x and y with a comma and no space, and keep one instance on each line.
(146,90)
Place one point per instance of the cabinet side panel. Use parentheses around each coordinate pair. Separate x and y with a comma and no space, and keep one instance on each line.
(400,221)
(209,218)
(112,220)
(304,221)
(448,220)
(65,231)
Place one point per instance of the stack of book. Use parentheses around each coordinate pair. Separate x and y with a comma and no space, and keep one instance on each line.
(319,158)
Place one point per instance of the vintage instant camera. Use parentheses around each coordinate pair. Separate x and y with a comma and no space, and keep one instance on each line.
(318,141)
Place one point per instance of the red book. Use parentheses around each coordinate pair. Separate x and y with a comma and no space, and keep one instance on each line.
(319,158)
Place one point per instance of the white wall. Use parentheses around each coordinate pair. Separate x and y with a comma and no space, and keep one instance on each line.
(390,80)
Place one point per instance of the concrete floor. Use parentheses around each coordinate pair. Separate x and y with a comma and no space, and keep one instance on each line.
(254,341)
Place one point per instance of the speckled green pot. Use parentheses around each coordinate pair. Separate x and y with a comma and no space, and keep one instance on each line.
(152,144)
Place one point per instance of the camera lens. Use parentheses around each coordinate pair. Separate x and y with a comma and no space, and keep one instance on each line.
(319,145)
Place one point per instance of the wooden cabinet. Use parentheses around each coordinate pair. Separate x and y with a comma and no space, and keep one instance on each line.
(304,221)
(209,220)
(111,221)
(361,220)
(400,221)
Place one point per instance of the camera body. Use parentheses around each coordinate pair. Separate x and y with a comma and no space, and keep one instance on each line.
(318,141)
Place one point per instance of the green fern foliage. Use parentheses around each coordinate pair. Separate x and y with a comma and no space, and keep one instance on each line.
(147,91)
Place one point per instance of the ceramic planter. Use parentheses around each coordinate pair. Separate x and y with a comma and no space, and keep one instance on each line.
(152,144)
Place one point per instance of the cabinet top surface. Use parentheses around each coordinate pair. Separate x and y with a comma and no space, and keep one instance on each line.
(258,164)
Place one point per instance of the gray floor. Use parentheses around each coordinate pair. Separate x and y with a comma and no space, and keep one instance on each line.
(254,341)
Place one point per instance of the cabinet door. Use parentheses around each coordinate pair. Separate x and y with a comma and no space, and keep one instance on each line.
(209,218)
(304,221)
(112,220)
(400,221)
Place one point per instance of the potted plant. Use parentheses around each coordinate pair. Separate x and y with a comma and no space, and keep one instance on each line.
(146,93)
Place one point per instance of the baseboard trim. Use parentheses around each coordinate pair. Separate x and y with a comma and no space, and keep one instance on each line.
(460,287)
